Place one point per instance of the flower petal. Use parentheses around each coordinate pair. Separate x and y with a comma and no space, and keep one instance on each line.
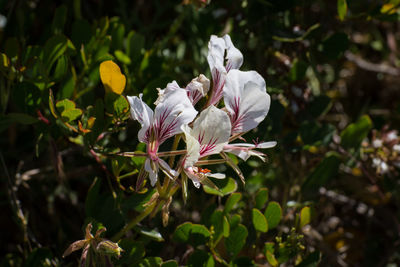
(216,175)
(246,99)
(198,88)
(153,175)
(193,147)
(212,130)
(174,111)
(141,112)
(233,56)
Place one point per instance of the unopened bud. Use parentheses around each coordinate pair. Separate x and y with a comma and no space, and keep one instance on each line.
(109,248)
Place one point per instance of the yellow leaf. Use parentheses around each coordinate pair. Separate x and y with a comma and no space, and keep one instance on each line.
(111,77)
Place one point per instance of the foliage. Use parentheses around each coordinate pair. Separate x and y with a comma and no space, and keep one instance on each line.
(327,193)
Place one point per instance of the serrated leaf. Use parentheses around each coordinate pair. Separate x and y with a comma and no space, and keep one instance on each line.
(111,77)
(259,221)
(305,216)
(232,200)
(273,214)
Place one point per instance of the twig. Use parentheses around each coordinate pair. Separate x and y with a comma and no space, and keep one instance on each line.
(366,65)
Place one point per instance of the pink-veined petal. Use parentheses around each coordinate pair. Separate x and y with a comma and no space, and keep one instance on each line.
(246,99)
(198,88)
(222,57)
(234,57)
(212,130)
(141,112)
(161,92)
(174,111)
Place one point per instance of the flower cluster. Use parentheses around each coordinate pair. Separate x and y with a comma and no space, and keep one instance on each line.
(384,151)
(214,129)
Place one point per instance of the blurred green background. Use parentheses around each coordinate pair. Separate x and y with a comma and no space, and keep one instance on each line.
(331,68)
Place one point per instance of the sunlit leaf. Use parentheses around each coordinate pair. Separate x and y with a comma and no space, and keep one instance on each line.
(273,214)
(111,77)
(259,221)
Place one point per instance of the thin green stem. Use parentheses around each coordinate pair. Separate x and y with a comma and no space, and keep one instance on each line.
(135,221)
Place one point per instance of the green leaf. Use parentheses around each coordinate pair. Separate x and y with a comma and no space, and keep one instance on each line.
(311,260)
(67,110)
(236,240)
(273,214)
(122,57)
(60,16)
(220,223)
(135,45)
(133,252)
(271,259)
(354,133)
(92,197)
(152,234)
(226,186)
(53,49)
(298,70)
(305,216)
(61,68)
(117,104)
(261,197)
(259,221)
(21,118)
(335,45)
(194,234)
(150,262)
(342,9)
(232,200)
(201,258)
(322,174)
(170,263)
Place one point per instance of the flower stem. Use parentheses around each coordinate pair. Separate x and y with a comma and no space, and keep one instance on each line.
(135,221)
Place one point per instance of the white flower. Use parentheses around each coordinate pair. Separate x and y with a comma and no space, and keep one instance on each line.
(380,165)
(377,143)
(396,148)
(173,110)
(244,150)
(209,135)
(246,100)
(195,90)
(219,51)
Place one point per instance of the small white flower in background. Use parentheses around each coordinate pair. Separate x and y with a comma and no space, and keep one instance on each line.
(377,143)
(171,112)
(380,165)
(396,148)
(219,51)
